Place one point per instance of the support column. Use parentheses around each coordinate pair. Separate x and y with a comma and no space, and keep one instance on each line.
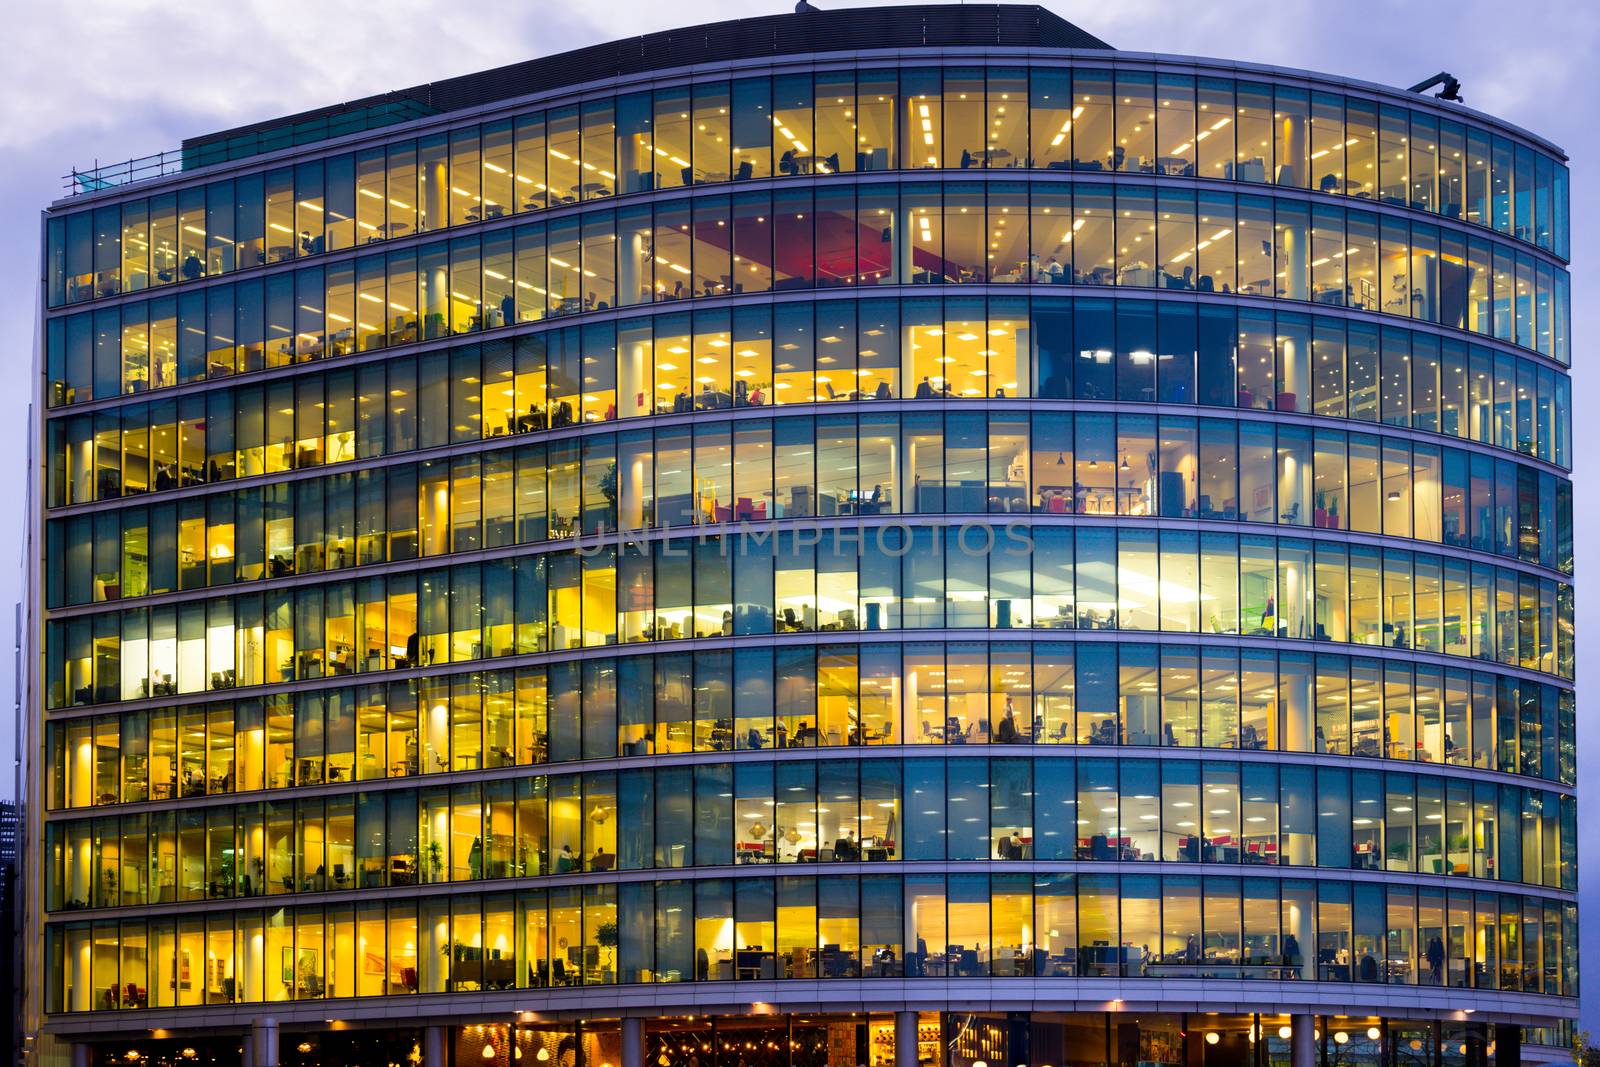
(264,1042)
(1303,1041)
(1507,1045)
(905,1039)
(433,1047)
(632,1041)
(80,1054)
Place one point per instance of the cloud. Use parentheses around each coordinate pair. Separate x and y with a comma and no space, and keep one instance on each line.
(134,76)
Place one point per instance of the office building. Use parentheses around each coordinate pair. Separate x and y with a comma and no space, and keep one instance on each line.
(895,536)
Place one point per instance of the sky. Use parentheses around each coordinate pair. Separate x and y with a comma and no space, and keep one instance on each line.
(100,81)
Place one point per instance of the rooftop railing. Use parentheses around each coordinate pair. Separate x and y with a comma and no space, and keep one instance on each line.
(203,152)
(108,176)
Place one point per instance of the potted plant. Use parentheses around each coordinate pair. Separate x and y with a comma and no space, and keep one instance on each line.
(606,936)
(454,953)
(435,861)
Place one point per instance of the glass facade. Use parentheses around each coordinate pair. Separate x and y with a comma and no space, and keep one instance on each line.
(820,125)
(702,248)
(527,547)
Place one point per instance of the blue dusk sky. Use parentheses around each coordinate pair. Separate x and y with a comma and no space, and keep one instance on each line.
(100,82)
